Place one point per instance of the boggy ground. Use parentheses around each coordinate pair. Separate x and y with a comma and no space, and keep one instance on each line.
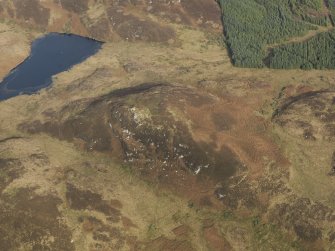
(163,145)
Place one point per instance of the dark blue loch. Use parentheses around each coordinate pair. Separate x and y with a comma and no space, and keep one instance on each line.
(51,54)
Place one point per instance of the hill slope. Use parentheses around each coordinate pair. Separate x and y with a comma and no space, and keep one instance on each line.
(158,142)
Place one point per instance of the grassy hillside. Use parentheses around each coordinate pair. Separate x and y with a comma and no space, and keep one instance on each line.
(159,143)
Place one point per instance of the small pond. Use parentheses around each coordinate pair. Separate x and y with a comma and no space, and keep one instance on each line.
(50,55)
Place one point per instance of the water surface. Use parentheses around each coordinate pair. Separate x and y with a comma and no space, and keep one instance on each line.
(51,54)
